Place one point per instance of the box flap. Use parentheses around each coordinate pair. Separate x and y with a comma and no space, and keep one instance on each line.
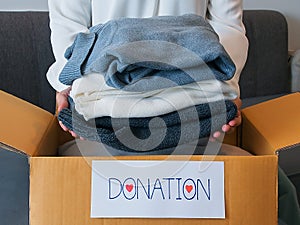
(60,191)
(275,122)
(26,127)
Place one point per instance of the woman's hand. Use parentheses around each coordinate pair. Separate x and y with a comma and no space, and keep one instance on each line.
(231,125)
(62,99)
(62,102)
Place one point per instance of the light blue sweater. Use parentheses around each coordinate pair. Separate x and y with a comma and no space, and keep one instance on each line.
(176,50)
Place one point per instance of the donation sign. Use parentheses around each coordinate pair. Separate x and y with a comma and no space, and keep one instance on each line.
(157,189)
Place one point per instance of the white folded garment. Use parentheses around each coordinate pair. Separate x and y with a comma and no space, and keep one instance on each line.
(93,98)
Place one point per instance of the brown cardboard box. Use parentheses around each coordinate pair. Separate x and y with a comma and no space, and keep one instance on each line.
(273,127)
(60,192)
(60,187)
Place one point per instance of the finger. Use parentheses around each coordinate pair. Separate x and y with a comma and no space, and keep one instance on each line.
(216,134)
(74,134)
(226,128)
(233,123)
(63,126)
(236,121)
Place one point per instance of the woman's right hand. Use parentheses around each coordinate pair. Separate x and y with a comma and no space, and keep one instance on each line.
(62,102)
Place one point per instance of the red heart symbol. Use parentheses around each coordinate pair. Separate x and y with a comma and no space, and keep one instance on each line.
(188,188)
(129,187)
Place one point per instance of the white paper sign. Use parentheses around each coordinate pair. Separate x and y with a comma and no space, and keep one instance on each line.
(157,189)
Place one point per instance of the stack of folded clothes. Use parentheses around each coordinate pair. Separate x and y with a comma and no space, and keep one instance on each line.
(146,84)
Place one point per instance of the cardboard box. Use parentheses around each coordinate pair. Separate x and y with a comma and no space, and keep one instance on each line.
(38,187)
(273,127)
(60,192)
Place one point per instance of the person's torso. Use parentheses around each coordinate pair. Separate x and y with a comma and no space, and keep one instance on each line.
(104,10)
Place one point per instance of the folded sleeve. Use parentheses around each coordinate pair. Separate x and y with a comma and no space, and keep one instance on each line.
(67,19)
(225,16)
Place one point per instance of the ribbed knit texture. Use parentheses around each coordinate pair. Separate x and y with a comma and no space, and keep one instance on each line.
(176,49)
(172,129)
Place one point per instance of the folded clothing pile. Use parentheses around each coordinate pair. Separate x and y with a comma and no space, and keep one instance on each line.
(151,133)
(145,57)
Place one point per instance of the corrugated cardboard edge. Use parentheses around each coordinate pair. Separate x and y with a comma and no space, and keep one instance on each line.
(60,191)
(11,149)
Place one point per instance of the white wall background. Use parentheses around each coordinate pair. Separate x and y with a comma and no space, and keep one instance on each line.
(290,8)
(40,5)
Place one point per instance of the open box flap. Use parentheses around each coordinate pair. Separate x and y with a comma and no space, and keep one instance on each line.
(26,127)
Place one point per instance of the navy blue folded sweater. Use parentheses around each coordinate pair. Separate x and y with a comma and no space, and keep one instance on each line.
(153,133)
(173,50)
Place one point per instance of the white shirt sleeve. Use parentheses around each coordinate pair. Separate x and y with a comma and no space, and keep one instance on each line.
(67,18)
(225,16)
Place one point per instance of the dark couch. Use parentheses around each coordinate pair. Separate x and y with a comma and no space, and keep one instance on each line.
(26,55)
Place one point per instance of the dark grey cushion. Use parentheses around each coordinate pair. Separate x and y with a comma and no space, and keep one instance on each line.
(25,57)
(266,70)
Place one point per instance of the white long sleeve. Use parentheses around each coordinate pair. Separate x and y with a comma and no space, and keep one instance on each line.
(225,16)
(67,19)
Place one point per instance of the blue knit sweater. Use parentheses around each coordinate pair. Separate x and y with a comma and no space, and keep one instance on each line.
(175,50)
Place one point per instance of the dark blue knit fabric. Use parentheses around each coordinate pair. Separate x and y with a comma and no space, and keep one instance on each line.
(172,129)
(179,49)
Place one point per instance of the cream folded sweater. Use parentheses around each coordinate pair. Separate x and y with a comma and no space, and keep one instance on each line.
(93,98)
